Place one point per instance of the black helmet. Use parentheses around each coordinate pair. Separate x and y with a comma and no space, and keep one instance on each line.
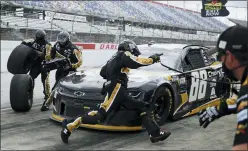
(63,37)
(129,45)
(235,40)
(40,35)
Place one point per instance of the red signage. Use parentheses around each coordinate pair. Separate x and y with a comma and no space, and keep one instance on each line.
(86,46)
(109,46)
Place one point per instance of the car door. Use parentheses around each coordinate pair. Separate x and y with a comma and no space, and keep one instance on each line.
(198,76)
(199,85)
(195,87)
(200,89)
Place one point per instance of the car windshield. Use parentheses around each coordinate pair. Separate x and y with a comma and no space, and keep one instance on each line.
(170,57)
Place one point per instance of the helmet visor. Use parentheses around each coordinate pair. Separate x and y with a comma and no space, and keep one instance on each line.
(62,39)
(134,49)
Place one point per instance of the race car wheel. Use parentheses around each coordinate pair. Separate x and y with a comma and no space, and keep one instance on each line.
(21,92)
(162,104)
(21,59)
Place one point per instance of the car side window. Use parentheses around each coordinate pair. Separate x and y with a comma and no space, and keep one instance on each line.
(194,60)
(186,64)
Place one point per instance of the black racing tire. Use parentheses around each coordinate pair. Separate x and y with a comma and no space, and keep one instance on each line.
(21,92)
(162,105)
(21,59)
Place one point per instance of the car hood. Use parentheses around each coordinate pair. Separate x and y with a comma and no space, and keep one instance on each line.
(92,81)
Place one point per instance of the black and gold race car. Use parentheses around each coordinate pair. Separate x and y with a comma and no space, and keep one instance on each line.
(194,83)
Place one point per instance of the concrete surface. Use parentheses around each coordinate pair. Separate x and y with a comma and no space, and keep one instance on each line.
(35,131)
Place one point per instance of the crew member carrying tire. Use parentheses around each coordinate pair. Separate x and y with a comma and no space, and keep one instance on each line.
(64,48)
(115,72)
(43,48)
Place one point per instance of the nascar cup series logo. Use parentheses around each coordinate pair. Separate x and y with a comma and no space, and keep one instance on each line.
(214,8)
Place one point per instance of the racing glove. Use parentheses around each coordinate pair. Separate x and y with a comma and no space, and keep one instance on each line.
(208,115)
(155,58)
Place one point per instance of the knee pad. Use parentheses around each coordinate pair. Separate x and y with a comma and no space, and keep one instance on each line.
(147,114)
(92,113)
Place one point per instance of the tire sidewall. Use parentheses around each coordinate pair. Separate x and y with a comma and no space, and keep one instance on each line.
(21,59)
(21,93)
(166,93)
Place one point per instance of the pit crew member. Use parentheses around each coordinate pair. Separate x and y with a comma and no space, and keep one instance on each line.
(43,47)
(115,72)
(64,48)
(232,48)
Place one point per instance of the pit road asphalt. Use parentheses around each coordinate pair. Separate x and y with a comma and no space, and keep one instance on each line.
(35,130)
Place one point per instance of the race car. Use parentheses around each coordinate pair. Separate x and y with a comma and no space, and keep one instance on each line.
(192,81)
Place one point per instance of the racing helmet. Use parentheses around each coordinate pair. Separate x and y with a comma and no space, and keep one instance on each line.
(129,45)
(63,37)
(40,35)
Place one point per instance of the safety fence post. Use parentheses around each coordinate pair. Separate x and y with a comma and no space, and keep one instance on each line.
(52,26)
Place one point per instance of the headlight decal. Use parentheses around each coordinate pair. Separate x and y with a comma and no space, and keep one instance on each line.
(134,93)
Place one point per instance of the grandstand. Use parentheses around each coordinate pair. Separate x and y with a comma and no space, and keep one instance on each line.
(238,22)
(108,21)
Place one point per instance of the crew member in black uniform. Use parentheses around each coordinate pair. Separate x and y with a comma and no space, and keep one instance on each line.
(232,48)
(115,72)
(64,48)
(43,47)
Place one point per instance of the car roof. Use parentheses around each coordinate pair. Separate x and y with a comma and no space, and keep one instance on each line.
(164,46)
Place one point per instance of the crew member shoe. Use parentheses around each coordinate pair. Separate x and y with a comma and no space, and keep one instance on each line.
(44,107)
(160,137)
(65,133)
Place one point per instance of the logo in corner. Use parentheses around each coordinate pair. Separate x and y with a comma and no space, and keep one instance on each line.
(214,8)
